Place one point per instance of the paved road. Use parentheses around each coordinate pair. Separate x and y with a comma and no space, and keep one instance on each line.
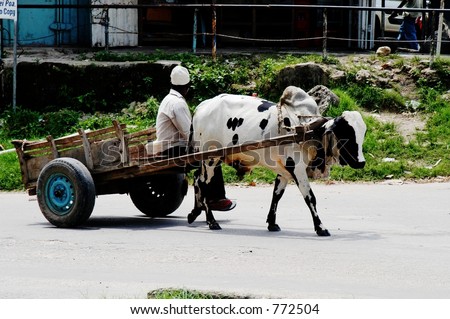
(388,241)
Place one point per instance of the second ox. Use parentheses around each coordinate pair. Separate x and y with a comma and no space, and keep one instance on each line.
(228,120)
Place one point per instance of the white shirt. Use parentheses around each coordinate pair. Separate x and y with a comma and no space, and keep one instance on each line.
(173,122)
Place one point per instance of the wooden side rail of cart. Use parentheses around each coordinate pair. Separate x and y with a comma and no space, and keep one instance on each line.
(101,150)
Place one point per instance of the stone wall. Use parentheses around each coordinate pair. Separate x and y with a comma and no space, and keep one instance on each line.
(85,86)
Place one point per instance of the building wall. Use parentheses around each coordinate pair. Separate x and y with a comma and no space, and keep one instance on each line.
(49,27)
(123,30)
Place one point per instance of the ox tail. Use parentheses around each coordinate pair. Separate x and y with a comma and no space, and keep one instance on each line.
(191,146)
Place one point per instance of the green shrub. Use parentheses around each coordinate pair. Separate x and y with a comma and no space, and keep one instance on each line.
(346,103)
(431,98)
(97,120)
(60,123)
(21,124)
(211,78)
(442,67)
(208,81)
(376,99)
(26,124)
(10,176)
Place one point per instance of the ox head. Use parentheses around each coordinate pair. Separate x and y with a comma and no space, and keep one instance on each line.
(345,137)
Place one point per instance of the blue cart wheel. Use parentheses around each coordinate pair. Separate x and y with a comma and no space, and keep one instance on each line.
(59,194)
(66,192)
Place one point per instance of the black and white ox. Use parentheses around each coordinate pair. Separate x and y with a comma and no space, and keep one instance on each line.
(228,120)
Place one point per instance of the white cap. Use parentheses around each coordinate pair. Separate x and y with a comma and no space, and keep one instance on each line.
(179,76)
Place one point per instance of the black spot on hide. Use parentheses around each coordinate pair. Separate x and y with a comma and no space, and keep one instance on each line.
(290,167)
(230,123)
(265,105)
(287,121)
(235,139)
(311,199)
(234,123)
(263,124)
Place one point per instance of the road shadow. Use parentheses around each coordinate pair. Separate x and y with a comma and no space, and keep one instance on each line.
(126,222)
(298,234)
(229,228)
(134,222)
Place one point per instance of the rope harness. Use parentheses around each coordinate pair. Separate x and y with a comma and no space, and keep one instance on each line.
(327,139)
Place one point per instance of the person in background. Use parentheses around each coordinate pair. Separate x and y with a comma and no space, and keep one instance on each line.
(407,30)
(173,127)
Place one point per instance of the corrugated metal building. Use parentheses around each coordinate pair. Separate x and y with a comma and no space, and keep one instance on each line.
(72,26)
(49,27)
(123,25)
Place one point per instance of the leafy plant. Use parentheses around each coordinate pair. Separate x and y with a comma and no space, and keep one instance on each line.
(376,99)
(442,66)
(59,123)
(91,101)
(346,103)
(10,177)
(21,123)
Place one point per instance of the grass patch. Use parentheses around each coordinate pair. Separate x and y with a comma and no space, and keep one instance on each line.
(10,176)
(172,293)
(376,99)
(259,175)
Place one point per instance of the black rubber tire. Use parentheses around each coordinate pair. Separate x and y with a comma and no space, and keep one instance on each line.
(66,192)
(159,195)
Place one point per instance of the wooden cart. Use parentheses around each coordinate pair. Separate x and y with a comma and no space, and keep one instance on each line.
(68,173)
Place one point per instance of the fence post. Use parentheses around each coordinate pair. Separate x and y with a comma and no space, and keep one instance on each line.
(194,33)
(433,39)
(325,33)
(107,28)
(439,30)
(214,29)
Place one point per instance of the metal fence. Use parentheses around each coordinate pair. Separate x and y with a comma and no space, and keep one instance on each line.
(103,13)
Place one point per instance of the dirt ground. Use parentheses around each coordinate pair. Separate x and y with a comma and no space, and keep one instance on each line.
(407,124)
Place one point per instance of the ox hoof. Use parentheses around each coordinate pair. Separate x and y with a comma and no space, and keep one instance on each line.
(192,216)
(273,227)
(214,226)
(322,232)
